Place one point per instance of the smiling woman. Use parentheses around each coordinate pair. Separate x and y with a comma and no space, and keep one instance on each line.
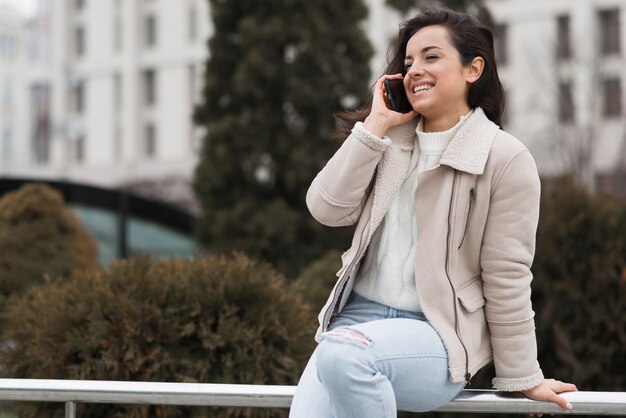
(436,284)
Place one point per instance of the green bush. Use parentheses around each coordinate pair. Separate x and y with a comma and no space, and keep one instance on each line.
(212,319)
(39,237)
(317,280)
(580,287)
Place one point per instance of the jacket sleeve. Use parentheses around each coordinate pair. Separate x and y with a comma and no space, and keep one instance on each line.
(506,256)
(337,194)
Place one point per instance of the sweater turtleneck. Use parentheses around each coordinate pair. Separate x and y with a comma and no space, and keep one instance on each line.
(387,273)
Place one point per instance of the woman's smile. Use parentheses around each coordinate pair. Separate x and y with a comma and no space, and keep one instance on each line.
(420,88)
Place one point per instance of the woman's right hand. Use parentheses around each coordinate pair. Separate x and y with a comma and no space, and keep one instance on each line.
(548,391)
(381,118)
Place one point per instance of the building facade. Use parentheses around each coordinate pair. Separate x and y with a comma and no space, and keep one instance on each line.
(563,66)
(12,63)
(25,78)
(102,92)
(122,81)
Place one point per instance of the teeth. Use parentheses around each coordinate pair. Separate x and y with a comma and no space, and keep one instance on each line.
(423,87)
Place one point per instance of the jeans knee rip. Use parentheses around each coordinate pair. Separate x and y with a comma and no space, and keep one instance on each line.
(349,336)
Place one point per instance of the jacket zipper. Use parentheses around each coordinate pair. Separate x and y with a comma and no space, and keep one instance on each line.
(472,198)
(342,282)
(468,376)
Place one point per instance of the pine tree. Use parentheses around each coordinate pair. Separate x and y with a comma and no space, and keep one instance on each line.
(277,71)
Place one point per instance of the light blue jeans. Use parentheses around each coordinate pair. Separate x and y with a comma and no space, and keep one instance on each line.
(371,362)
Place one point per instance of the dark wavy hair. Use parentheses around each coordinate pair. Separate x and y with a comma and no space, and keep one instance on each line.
(470,38)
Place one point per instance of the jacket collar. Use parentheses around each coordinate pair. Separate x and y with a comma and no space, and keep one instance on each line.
(468,149)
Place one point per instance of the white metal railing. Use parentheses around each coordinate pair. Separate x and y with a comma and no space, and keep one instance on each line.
(265,396)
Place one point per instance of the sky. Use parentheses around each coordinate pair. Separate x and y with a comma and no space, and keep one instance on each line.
(27,7)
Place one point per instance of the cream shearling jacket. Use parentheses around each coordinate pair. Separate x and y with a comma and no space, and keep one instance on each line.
(477,214)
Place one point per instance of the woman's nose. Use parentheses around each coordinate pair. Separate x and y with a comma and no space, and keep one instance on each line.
(415,71)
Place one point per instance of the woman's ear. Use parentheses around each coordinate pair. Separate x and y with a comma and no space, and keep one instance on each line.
(474,70)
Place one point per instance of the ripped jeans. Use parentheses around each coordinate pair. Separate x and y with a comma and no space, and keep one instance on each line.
(373,361)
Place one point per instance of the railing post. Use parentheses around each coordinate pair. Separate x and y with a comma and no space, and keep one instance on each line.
(70,409)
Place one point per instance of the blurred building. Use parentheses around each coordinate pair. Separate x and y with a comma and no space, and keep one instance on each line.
(115,106)
(12,64)
(563,65)
(102,92)
(96,98)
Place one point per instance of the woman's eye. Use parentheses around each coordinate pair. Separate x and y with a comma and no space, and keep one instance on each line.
(431,57)
(407,66)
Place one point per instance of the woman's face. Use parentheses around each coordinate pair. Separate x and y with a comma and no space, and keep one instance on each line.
(436,82)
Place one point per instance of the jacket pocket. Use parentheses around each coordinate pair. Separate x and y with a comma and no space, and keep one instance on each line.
(471,294)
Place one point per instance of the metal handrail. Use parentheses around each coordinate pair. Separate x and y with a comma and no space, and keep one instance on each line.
(268,396)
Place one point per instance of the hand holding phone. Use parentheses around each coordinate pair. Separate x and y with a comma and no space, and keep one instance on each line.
(396,96)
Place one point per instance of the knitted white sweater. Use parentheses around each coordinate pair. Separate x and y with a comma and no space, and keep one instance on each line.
(387,273)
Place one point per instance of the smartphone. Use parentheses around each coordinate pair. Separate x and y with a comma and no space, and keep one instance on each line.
(396,97)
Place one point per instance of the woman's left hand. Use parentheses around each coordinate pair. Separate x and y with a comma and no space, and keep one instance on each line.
(548,391)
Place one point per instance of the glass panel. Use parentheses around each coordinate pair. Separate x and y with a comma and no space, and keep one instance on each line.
(143,236)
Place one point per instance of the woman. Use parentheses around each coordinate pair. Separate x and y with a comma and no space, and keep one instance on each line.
(436,283)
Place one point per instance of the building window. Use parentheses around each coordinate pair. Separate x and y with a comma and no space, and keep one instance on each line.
(8,45)
(612,98)
(79,98)
(3,46)
(193,23)
(193,84)
(149,87)
(501,43)
(566,103)
(150,145)
(7,146)
(79,149)
(13,47)
(118,26)
(563,47)
(609,31)
(506,114)
(7,93)
(40,122)
(117,93)
(79,41)
(150,31)
(117,32)
(117,140)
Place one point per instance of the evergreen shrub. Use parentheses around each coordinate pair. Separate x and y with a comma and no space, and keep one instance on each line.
(214,319)
(580,288)
(40,237)
(317,280)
